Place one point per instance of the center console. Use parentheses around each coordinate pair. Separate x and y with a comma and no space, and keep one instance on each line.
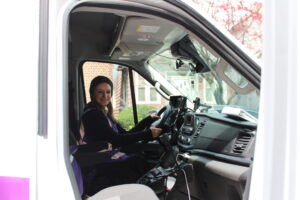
(170,172)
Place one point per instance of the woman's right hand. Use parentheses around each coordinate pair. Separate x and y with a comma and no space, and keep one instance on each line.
(155,132)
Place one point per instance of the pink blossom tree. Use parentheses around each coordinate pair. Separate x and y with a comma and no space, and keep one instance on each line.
(242,18)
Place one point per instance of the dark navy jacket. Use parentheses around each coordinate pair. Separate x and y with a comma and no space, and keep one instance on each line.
(97,128)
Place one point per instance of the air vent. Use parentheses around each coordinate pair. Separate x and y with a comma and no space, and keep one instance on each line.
(241,143)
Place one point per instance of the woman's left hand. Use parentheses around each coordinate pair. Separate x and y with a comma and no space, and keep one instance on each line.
(154,116)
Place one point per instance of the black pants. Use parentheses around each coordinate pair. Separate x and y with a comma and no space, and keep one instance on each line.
(115,173)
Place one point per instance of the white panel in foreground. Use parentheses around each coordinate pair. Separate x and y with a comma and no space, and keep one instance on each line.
(125,192)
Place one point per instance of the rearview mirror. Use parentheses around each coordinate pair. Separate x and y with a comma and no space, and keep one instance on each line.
(185,49)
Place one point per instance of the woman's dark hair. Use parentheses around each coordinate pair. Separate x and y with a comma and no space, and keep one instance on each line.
(96,81)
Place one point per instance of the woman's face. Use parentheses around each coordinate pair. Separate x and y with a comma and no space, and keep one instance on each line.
(102,94)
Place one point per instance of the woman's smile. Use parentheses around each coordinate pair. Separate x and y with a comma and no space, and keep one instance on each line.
(103,94)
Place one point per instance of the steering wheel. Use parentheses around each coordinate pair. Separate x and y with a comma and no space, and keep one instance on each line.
(164,113)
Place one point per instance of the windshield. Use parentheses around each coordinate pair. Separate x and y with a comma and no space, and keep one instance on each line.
(217,86)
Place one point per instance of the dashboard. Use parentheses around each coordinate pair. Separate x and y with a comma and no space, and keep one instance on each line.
(213,150)
(218,135)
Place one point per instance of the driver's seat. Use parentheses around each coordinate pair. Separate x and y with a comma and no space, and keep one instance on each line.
(125,192)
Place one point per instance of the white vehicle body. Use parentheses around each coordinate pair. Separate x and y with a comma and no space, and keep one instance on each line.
(275,172)
(33,150)
(28,158)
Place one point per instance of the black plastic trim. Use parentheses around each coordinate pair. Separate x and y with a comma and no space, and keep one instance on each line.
(226,158)
(134,109)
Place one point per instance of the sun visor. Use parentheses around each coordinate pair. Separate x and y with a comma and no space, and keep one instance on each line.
(143,37)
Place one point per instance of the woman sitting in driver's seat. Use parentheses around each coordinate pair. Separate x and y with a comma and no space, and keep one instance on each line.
(100,125)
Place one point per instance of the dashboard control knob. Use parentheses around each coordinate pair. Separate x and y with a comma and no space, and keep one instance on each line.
(188,141)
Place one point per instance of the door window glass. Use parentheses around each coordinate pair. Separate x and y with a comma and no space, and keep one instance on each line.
(147,99)
(121,98)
